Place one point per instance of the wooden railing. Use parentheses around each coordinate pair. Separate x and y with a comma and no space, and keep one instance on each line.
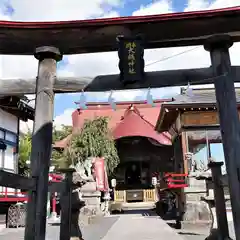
(12,196)
(149,195)
(119,195)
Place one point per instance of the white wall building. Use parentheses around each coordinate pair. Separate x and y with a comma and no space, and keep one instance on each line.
(12,110)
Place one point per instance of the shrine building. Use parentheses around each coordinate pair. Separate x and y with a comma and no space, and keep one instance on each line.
(153,140)
(142,150)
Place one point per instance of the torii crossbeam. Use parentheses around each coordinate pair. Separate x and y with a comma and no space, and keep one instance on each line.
(157,79)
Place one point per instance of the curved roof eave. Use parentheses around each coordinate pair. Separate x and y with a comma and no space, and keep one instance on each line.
(166,142)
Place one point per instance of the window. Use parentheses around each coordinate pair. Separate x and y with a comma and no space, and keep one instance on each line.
(11,137)
(204,145)
(1,159)
(9,159)
(197,145)
(1,134)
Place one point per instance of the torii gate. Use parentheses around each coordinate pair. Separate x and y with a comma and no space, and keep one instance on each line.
(215,29)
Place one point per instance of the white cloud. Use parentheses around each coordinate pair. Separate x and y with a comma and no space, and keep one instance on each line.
(195,5)
(157,7)
(64,119)
(26,126)
(60,10)
(106,63)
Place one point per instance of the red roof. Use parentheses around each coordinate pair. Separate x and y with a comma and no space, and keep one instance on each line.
(99,35)
(146,116)
(149,113)
(63,143)
(133,124)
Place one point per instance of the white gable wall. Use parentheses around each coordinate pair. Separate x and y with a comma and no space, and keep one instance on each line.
(8,121)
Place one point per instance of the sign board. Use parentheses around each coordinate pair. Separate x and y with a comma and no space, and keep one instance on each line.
(131,62)
(199,118)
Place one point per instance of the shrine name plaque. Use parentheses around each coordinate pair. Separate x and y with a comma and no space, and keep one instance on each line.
(200,118)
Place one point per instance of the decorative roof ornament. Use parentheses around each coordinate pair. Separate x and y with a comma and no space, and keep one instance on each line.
(189,91)
(111,101)
(150,98)
(82,101)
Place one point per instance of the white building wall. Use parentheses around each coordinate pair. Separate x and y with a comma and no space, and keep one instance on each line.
(8,122)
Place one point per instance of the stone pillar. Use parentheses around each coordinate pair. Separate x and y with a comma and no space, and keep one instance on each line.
(228,116)
(66,205)
(41,142)
(221,216)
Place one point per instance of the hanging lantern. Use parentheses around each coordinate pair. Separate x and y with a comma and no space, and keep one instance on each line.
(131,61)
(111,101)
(150,98)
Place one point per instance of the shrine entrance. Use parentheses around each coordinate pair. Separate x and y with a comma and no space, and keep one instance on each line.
(141,160)
(133,174)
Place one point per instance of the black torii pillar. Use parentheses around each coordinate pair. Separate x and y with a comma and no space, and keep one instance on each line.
(41,142)
(228,117)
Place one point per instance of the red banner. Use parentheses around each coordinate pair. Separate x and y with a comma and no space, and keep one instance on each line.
(101,175)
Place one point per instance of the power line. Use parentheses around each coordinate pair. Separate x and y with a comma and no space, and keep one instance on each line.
(172,56)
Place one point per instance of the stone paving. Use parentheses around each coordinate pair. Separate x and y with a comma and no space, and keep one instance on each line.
(91,232)
(135,225)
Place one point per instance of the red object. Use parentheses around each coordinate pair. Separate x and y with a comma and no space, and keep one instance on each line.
(133,124)
(55,177)
(100,173)
(175,174)
(175,183)
(54,204)
(12,196)
(146,113)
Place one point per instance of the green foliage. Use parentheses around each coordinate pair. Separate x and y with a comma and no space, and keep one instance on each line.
(25,143)
(58,155)
(24,153)
(62,133)
(93,140)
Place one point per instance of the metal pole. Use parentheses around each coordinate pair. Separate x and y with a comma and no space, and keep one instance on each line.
(41,142)
(228,117)
(219,199)
(66,205)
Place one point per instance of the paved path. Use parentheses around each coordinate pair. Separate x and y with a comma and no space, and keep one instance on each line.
(140,226)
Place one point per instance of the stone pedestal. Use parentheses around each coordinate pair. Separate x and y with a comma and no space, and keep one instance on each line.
(92,200)
(196,210)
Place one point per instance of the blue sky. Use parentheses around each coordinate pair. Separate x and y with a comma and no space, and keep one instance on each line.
(129,7)
(127,10)
(79,65)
